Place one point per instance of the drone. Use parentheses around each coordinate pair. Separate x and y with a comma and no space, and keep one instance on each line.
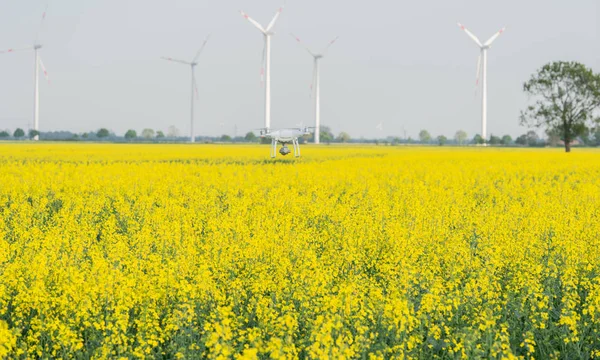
(284,137)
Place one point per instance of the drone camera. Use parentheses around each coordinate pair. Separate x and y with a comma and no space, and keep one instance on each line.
(284,150)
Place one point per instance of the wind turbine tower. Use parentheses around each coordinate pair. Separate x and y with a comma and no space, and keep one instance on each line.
(482,71)
(192,64)
(36,74)
(316,83)
(266,69)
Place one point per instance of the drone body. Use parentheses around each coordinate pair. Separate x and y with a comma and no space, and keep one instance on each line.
(284,137)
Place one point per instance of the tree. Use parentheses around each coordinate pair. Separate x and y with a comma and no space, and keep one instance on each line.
(85,135)
(567,95)
(130,134)
(226,138)
(532,138)
(173,132)
(596,135)
(325,134)
(147,134)
(586,136)
(521,140)
(343,137)
(19,133)
(250,137)
(442,140)
(506,140)
(477,139)
(160,134)
(495,140)
(33,133)
(553,138)
(460,137)
(102,133)
(4,134)
(424,136)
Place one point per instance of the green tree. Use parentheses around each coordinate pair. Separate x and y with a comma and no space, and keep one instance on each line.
(160,134)
(532,138)
(103,133)
(19,133)
(4,134)
(567,95)
(325,135)
(596,135)
(529,139)
(85,135)
(506,140)
(147,134)
(226,138)
(343,137)
(477,139)
(33,133)
(250,137)
(460,137)
(424,136)
(442,140)
(521,140)
(495,140)
(130,134)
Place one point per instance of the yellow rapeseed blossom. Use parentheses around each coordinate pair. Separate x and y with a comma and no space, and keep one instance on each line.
(205,251)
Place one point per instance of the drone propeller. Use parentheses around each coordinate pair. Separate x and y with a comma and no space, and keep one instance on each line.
(262,131)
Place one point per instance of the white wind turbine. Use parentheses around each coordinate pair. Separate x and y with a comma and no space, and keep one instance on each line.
(316,83)
(192,64)
(483,72)
(266,70)
(36,74)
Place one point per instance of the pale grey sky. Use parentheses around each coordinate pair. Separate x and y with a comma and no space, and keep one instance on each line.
(402,63)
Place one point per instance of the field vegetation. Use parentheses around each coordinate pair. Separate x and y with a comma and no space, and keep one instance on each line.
(179,251)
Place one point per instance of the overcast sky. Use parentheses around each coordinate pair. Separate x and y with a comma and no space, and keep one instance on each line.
(405,64)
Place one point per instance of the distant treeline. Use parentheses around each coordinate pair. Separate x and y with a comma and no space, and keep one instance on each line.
(460,138)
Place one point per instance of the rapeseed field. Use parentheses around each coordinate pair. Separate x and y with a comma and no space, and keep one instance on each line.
(205,251)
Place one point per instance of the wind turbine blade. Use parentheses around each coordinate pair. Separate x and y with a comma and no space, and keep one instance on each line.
(272,23)
(44,70)
(478,74)
(470,34)
(253,22)
(15,50)
(176,60)
(196,88)
(37,36)
(478,69)
(493,38)
(301,43)
(262,64)
(201,48)
(330,43)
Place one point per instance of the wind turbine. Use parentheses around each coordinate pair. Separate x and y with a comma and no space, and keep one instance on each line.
(192,64)
(483,72)
(316,83)
(36,74)
(266,61)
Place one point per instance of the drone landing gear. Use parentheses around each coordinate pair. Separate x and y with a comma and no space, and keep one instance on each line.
(296,148)
(284,149)
(273,148)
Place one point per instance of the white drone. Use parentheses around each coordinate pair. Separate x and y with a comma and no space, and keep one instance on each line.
(284,137)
